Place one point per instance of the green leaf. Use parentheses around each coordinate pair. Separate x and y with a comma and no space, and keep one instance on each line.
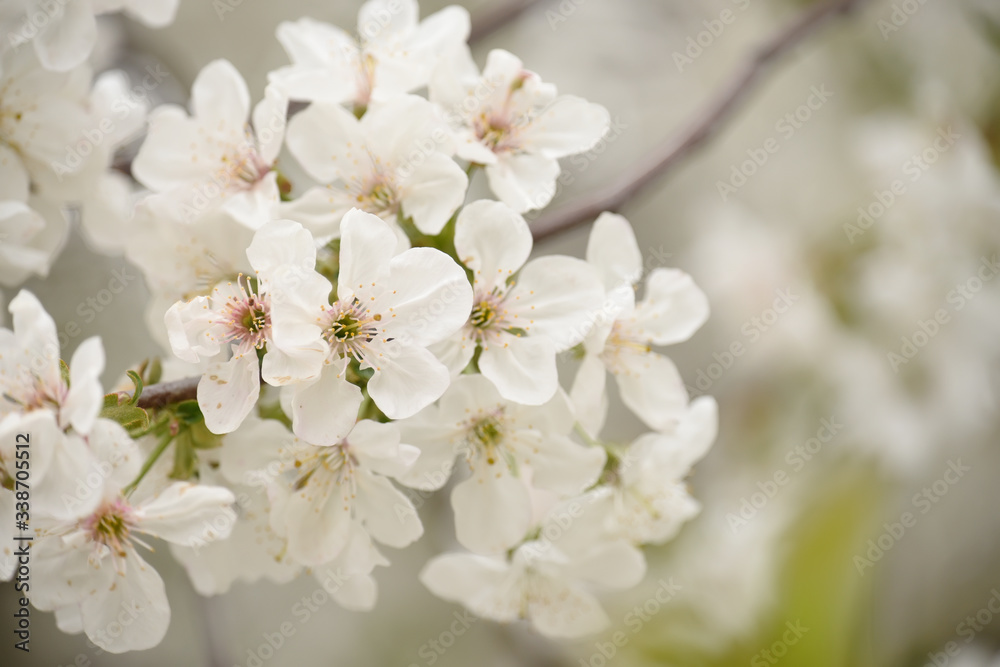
(120,409)
(188,412)
(137,381)
(185,457)
(202,438)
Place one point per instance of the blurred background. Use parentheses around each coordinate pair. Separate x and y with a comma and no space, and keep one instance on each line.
(850,506)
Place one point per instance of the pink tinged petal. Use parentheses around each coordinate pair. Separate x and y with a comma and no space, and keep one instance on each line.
(492,240)
(65,41)
(324,412)
(474,581)
(431,297)
(137,594)
(589,396)
(388,515)
(328,142)
(652,388)
(492,510)
(228,391)
(407,379)
(219,96)
(366,245)
(561,610)
(269,120)
(522,369)
(567,126)
(523,181)
(672,310)
(612,248)
(432,192)
(188,514)
(85,396)
(557,297)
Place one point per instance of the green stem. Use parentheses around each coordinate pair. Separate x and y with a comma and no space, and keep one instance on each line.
(160,448)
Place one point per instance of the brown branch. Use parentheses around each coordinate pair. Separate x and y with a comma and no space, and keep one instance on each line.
(655,165)
(491,20)
(165,393)
(671,153)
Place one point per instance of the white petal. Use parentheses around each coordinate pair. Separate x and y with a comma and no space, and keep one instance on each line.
(559,296)
(478,582)
(590,400)
(652,388)
(65,41)
(366,246)
(672,309)
(492,510)
(612,248)
(433,192)
(324,411)
(280,243)
(328,142)
(569,125)
(614,565)
(407,379)
(524,181)
(138,596)
(219,96)
(560,610)
(388,514)
(318,523)
(228,391)
(492,240)
(431,297)
(85,396)
(522,369)
(188,514)
(269,117)
(561,465)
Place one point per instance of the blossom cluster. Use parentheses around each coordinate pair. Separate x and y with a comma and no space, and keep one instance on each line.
(361,335)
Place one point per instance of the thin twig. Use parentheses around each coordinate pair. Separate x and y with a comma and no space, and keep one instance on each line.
(655,166)
(705,127)
(491,20)
(165,393)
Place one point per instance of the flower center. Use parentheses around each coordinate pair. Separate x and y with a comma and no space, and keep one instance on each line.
(243,165)
(350,327)
(248,317)
(485,438)
(110,525)
(621,342)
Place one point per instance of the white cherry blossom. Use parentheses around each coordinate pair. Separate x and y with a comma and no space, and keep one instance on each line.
(652,501)
(94,562)
(393,162)
(549,581)
(514,124)
(63,34)
(523,313)
(31,376)
(235,322)
(621,343)
(392,54)
(501,441)
(389,309)
(214,157)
